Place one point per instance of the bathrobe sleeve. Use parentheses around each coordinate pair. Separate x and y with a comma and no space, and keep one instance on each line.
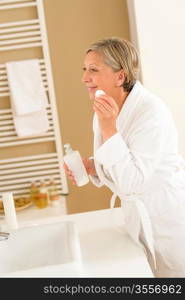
(132,163)
(95,179)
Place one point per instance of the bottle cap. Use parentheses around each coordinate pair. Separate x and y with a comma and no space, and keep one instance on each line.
(68,148)
(98,93)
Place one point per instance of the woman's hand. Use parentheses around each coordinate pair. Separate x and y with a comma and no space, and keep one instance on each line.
(89,166)
(69,173)
(107,111)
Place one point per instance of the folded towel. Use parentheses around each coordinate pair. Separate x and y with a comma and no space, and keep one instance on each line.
(28,98)
(26,86)
(31,124)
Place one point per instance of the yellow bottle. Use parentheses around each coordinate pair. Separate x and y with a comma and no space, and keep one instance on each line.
(33,192)
(42,199)
(53,194)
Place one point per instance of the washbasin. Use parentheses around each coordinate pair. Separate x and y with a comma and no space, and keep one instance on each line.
(40,246)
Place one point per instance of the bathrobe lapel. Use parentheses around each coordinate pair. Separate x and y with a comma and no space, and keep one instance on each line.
(97,144)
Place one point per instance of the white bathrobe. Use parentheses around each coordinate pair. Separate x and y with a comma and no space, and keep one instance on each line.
(142,166)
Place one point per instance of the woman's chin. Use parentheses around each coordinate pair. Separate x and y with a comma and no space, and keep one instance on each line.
(91,95)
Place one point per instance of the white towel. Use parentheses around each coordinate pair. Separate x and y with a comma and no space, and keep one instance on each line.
(28,97)
(31,124)
(26,86)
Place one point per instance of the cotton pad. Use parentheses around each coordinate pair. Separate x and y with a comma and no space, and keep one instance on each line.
(98,93)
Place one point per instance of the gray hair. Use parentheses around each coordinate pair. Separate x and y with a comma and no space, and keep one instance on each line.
(119,54)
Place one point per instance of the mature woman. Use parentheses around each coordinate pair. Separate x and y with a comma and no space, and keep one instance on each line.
(136,154)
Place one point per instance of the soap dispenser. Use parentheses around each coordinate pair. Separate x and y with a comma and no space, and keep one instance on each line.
(73,160)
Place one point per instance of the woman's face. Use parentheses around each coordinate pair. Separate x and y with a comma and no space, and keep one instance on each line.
(99,76)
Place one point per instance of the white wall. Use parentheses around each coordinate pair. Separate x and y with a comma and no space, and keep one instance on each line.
(158,31)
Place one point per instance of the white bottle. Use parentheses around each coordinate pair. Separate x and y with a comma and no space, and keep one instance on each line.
(74,162)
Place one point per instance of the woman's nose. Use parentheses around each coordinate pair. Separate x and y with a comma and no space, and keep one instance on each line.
(85,77)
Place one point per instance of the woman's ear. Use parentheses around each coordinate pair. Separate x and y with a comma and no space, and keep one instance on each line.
(120,78)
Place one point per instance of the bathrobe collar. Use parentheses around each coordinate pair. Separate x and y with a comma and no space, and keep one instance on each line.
(128,107)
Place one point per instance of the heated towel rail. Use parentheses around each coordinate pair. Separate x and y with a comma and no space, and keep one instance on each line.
(17,173)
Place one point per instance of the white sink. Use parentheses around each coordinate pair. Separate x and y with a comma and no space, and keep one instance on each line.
(40,246)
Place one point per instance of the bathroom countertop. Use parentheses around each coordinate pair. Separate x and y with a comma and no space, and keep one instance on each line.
(107,250)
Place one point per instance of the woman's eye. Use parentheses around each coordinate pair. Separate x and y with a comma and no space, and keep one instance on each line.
(90,70)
